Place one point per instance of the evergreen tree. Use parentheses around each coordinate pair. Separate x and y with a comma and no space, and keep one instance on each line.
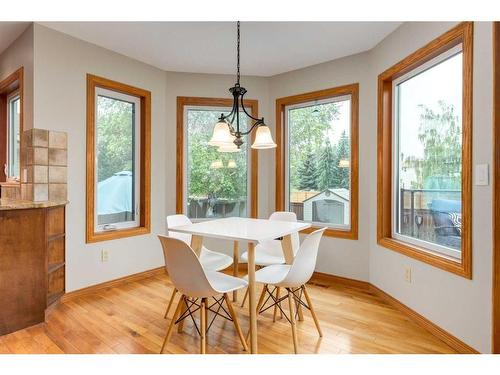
(308,171)
(327,167)
(342,153)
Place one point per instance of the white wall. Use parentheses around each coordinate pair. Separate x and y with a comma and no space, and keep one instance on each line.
(61,65)
(348,258)
(20,54)
(460,306)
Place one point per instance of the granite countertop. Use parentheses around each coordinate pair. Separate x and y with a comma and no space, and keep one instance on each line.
(15,204)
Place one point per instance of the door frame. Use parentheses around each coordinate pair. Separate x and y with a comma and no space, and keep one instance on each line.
(495,348)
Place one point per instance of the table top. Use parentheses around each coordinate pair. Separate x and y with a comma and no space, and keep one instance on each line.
(242,229)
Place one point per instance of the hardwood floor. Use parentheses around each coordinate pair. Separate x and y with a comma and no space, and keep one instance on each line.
(129,319)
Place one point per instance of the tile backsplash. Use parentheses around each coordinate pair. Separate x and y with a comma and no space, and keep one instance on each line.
(44,175)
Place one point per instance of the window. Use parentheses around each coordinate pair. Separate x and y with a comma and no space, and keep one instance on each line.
(118,160)
(212,184)
(11,126)
(317,146)
(424,153)
(13,136)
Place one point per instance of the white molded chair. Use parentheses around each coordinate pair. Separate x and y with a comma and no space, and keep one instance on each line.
(293,278)
(197,285)
(210,260)
(271,252)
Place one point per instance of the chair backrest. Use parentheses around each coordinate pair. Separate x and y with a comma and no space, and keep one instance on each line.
(184,268)
(176,221)
(305,261)
(284,216)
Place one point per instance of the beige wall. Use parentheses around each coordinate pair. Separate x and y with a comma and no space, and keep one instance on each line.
(62,63)
(20,54)
(336,256)
(458,305)
(461,306)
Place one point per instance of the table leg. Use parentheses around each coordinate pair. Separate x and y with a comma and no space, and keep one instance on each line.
(236,257)
(251,298)
(196,244)
(286,244)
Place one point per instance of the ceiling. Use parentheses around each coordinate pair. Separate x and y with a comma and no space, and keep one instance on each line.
(10,31)
(267,48)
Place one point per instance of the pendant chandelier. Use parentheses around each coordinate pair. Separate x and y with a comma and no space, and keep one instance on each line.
(227,135)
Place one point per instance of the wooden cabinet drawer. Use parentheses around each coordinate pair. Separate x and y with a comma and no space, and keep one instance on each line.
(55,221)
(55,251)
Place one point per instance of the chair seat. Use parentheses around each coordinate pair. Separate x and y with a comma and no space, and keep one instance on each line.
(214,261)
(223,283)
(272,275)
(264,257)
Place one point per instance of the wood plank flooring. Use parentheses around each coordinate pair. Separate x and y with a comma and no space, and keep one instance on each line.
(129,319)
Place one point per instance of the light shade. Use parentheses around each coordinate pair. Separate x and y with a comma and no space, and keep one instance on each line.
(263,138)
(231,164)
(221,135)
(216,164)
(231,147)
(344,163)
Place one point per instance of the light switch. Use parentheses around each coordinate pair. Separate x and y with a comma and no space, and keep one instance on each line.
(482,175)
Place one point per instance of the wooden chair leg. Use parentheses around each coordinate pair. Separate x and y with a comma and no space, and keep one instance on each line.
(172,323)
(276,305)
(184,305)
(235,321)
(299,312)
(203,326)
(313,313)
(174,292)
(259,305)
(291,306)
(244,298)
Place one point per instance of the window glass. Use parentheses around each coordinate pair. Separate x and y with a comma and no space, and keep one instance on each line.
(428,155)
(14,119)
(318,157)
(217,182)
(117,124)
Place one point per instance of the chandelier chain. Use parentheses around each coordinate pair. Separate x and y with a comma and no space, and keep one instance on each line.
(238,54)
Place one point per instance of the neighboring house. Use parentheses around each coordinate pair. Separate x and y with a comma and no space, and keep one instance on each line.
(329,206)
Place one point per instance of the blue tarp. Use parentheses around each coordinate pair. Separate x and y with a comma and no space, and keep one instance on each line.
(114,194)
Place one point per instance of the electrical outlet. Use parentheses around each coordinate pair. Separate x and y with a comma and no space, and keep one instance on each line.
(104,256)
(408,274)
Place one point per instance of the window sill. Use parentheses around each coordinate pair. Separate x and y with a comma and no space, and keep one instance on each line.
(116,234)
(462,268)
(350,234)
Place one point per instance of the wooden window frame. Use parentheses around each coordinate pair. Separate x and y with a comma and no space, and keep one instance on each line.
(6,91)
(144,227)
(496,190)
(460,34)
(183,101)
(281,104)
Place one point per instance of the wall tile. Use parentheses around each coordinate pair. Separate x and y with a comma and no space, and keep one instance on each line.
(27,192)
(40,174)
(40,156)
(58,140)
(58,192)
(40,138)
(40,192)
(57,175)
(58,157)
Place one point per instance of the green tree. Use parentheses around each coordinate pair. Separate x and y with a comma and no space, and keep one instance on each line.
(307,128)
(308,172)
(326,166)
(342,153)
(441,137)
(114,137)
